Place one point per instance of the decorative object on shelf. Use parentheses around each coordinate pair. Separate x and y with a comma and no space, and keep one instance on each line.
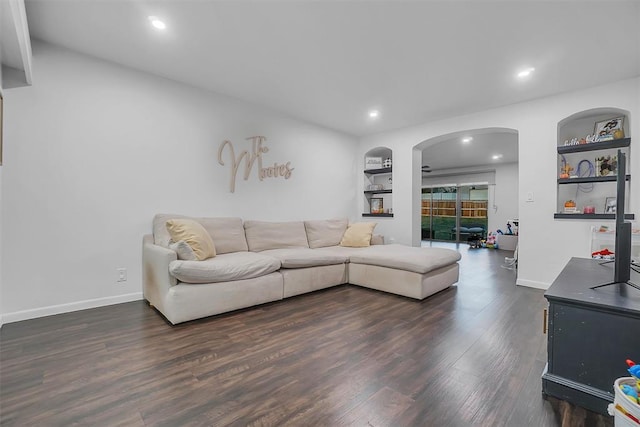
(609,129)
(570,207)
(375,187)
(588,170)
(566,169)
(387,163)
(590,139)
(589,210)
(372,163)
(610,205)
(390,183)
(606,165)
(376,205)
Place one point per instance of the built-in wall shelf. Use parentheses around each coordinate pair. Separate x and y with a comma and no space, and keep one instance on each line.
(377,171)
(378,191)
(591,216)
(588,172)
(610,178)
(616,143)
(377,183)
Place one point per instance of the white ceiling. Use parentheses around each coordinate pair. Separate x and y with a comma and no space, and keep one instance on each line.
(329,62)
(452,153)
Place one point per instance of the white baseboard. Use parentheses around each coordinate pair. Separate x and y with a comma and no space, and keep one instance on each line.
(67,308)
(533,284)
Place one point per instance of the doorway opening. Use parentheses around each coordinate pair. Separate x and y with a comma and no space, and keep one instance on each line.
(455,213)
(468,185)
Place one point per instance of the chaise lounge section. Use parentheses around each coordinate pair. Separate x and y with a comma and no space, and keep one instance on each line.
(257,262)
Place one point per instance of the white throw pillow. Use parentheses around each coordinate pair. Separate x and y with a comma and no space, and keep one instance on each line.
(183,250)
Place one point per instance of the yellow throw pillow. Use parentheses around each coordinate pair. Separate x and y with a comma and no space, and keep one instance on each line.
(194,235)
(358,234)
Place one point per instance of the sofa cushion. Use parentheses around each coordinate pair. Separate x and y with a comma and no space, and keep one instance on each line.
(224,268)
(263,235)
(323,233)
(227,233)
(344,251)
(418,260)
(304,257)
(194,235)
(358,234)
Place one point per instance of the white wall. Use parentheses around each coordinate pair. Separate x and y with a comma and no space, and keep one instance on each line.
(505,197)
(545,244)
(95,150)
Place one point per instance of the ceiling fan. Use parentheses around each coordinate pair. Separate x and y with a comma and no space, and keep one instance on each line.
(426,169)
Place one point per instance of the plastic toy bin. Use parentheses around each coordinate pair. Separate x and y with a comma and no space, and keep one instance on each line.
(622,404)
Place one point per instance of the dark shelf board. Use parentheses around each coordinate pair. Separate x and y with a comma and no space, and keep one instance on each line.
(611,178)
(387,215)
(378,191)
(590,216)
(377,171)
(616,143)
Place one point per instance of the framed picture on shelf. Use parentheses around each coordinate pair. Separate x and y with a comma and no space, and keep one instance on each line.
(372,163)
(610,205)
(606,165)
(376,205)
(610,129)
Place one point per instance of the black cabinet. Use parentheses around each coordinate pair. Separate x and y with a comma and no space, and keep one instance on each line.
(591,334)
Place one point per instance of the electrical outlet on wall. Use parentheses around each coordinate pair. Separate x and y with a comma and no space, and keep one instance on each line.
(121,275)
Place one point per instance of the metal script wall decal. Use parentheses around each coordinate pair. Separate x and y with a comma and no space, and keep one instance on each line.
(250,157)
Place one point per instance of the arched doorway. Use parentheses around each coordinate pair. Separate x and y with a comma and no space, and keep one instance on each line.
(468,184)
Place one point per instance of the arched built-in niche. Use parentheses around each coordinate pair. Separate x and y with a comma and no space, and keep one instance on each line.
(586,177)
(378,184)
(465,169)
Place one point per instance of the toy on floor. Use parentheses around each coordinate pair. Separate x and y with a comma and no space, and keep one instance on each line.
(491,241)
(474,241)
(509,230)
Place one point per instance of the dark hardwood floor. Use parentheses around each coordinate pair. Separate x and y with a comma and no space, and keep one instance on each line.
(470,355)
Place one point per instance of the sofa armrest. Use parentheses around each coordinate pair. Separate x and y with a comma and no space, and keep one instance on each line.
(156,278)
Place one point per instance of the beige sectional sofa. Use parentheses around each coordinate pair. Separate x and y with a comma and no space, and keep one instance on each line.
(258,262)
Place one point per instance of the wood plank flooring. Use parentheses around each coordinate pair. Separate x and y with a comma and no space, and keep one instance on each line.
(346,356)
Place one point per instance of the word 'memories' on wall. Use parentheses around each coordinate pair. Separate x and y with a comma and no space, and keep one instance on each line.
(250,157)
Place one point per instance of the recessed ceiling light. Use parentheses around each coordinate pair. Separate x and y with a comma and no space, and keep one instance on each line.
(467,139)
(374,114)
(526,72)
(157,23)
(496,156)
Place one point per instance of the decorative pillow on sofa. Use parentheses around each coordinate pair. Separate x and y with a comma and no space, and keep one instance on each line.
(183,250)
(358,234)
(194,235)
